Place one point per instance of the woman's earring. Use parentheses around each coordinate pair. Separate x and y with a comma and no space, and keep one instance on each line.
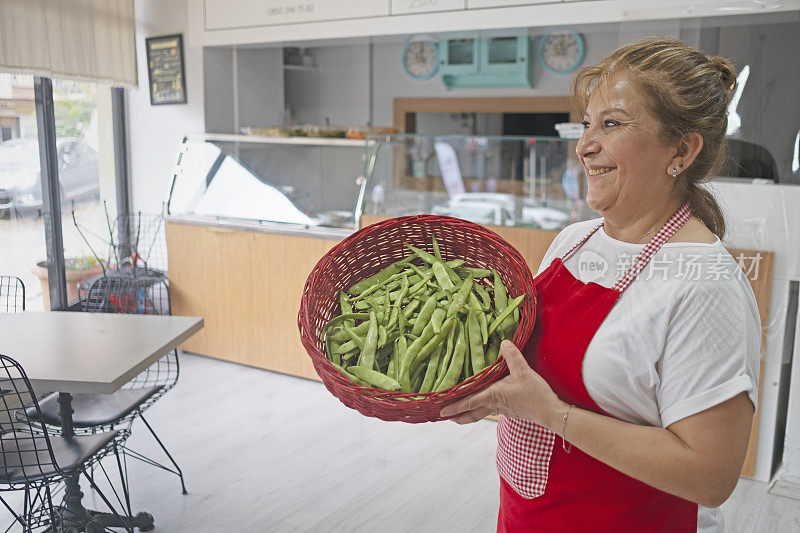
(674,172)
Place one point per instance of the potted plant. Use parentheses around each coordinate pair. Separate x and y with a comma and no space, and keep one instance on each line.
(77,270)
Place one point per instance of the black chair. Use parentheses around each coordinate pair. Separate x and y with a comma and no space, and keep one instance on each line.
(141,291)
(32,460)
(12,294)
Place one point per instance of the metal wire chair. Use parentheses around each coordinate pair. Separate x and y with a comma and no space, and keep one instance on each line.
(12,294)
(33,460)
(141,241)
(141,291)
(131,242)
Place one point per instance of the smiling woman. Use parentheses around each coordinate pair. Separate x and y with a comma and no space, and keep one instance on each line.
(648,367)
(663,99)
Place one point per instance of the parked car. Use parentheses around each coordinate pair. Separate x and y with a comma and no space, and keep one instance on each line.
(20,175)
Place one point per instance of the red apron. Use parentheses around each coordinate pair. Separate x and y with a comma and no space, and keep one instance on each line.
(582,494)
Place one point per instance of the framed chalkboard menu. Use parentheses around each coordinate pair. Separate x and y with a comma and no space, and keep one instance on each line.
(165,70)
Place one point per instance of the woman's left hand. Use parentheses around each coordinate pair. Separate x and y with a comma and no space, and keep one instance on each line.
(522,394)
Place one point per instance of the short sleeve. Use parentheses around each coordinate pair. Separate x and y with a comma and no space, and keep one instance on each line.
(711,350)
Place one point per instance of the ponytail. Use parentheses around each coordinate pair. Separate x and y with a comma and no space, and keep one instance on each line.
(705,207)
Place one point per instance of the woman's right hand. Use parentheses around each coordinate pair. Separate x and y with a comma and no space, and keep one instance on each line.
(522,394)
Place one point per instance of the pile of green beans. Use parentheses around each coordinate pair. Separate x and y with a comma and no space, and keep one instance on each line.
(421,324)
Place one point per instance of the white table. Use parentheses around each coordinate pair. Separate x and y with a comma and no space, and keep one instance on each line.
(94,353)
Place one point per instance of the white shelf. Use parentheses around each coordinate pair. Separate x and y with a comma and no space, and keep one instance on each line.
(308,141)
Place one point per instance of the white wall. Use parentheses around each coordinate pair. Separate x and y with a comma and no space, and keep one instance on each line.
(155,131)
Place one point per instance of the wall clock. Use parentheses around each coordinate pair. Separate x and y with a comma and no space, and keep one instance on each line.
(561,52)
(420,58)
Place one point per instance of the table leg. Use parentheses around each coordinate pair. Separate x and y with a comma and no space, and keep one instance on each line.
(75,517)
(73,510)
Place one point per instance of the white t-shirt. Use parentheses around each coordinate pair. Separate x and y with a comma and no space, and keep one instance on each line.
(683,337)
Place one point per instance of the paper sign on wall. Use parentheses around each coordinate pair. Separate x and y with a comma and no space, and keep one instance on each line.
(448,165)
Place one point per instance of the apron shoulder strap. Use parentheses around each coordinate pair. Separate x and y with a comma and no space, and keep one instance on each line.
(580,243)
(667,230)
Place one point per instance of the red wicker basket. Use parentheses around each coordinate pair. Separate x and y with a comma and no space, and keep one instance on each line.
(370,249)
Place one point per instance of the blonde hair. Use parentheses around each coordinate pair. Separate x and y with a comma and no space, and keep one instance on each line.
(687,91)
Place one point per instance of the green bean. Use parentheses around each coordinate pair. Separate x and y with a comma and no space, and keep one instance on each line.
(341,318)
(396,306)
(393,336)
(432,343)
(346,347)
(467,356)
(454,263)
(376,379)
(440,294)
(454,278)
(422,254)
(474,272)
(500,295)
(506,312)
(416,379)
(382,334)
(417,270)
(437,317)
(516,315)
(359,342)
(397,355)
(386,311)
(484,296)
(436,251)
(375,279)
(331,347)
(444,362)
(461,297)
(382,358)
(400,374)
(408,309)
(430,371)
(342,336)
(350,376)
(412,351)
(442,277)
(456,363)
(477,356)
(493,351)
(424,315)
(344,304)
(420,285)
(405,261)
(367,357)
(475,305)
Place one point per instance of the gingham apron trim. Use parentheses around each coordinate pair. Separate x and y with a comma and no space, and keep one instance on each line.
(524,448)
(664,234)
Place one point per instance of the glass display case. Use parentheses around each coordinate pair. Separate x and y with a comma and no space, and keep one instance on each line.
(307,184)
(532,182)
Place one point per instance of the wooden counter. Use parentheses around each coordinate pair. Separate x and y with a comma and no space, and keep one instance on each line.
(247,287)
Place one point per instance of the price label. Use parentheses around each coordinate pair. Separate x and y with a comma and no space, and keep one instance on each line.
(482,4)
(476,143)
(405,7)
(230,14)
